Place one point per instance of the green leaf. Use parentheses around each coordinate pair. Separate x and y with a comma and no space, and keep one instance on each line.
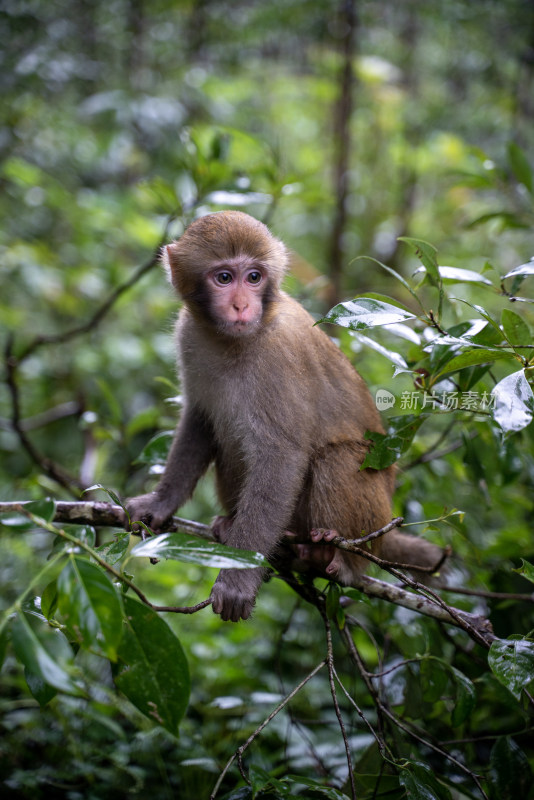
(434,679)
(510,775)
(391,355)
(471,357)
(526,570)
(522,269)
(152,669)
(49,599)
(421,784)
(193,550)
(514,402)
(388,448)
(520,166)
(42,691)
(366,312)
(44,651)
(465,697)
(110,493)
(426,253)
(456,275)
(318,788)
(512,662)
(90,606)
(157,449)
(41,508)
(114,551)
(515,328)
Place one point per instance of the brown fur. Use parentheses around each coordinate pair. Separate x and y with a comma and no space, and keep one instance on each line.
(278,408)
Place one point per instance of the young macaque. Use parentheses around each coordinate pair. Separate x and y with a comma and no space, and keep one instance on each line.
(279,409)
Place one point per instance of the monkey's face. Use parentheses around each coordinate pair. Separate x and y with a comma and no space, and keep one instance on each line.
(236,292)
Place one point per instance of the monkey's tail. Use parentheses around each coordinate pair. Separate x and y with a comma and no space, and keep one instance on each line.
(413,552)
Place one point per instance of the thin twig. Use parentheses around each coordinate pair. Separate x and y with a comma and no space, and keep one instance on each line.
(240,750)
(331,678)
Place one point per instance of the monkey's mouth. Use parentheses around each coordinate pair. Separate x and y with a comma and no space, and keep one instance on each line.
(239,327)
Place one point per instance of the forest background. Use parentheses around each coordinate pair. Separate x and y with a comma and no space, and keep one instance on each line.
(355,129)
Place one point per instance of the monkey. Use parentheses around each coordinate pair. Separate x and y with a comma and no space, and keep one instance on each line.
(279,409)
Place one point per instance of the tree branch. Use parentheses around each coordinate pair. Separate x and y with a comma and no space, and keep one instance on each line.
(102,514)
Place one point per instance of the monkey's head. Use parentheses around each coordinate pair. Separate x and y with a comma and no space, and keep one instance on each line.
(227,267)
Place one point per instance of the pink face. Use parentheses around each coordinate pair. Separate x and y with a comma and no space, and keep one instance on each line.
(236,292)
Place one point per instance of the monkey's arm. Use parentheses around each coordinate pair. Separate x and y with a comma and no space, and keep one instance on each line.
(266,504)
(189,457)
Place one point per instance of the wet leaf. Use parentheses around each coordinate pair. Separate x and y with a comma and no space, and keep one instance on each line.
(522,269)
(90,606)
(157,449)
(366,312)
(465,697)
(512,662)
(388,448)
(421,784)
(510,774)
(193,550)
(152,669)
(514,402)
(44,651)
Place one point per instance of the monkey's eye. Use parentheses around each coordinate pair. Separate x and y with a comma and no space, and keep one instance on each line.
(254,277)
(223,278)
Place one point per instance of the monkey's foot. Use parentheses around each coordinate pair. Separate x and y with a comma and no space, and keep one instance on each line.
(323,534)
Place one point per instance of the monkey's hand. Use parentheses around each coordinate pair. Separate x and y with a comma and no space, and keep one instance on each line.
(151,509)
(234,592)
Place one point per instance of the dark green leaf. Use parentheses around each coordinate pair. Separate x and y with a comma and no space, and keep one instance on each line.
(465,697)
(180,547)
(366,312)
(514,402)
(512,662)
(387,448)
(90,606)
(49,599)
(510,774)
(318,788)
(421,784)
(152,669)
(434,679)
(114,551)
(157,449)
(42,691)
(44,651)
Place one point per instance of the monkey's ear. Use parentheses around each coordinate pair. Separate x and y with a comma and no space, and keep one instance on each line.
(165,259)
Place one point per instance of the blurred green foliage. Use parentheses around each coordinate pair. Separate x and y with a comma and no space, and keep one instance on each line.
(121,121)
